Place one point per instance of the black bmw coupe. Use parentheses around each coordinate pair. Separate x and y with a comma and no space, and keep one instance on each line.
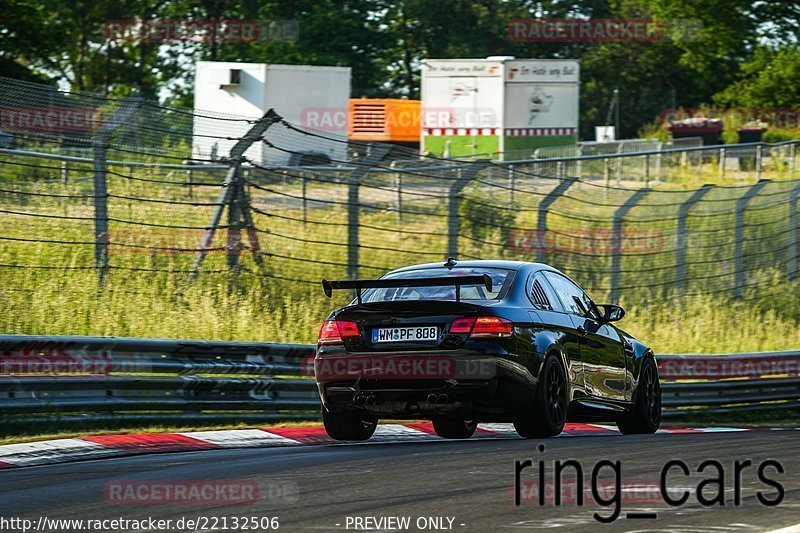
(480,341)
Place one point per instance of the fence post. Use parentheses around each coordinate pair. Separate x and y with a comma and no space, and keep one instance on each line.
(541,223)
(189,177)
(453,203)
(249,223)
(660,147)
(616,240)
(398,177)
(792,248)
(232,193)
(738,237)
(373,157)
(792,153)
(100,174)
(680,251)
(233,246)
(511,179)
(722,163)
(304,192)
(759,161)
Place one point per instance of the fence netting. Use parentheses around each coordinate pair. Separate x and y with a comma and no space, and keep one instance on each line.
(191,230)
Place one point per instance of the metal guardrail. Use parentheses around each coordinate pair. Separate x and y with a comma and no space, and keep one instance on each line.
(731,395)
(621,146)
(732,150)
(110,378)
(59,375)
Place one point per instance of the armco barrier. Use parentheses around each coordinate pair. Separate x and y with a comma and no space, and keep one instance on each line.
(66,375)
(106,378)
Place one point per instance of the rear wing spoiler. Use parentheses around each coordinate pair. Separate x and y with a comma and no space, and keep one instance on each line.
(444,281)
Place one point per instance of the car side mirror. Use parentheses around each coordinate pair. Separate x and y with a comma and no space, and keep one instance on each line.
(611,312)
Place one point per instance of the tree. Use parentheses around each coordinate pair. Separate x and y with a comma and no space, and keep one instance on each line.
(67,41)
(771,79)
(385,41)
(331,32)
(25,37)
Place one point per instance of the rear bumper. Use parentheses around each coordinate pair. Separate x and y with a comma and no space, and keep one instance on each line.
(489,387)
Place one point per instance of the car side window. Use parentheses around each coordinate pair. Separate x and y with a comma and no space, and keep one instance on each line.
(572,297)
(591,309)
(541,295)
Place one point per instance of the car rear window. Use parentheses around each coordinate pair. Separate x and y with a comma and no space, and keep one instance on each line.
(500,278)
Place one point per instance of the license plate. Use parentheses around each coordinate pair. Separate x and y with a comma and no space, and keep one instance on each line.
(424,333)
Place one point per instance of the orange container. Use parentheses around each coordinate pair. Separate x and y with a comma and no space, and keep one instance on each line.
(384,120)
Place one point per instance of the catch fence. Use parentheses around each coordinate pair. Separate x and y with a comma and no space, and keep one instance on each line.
(128,197)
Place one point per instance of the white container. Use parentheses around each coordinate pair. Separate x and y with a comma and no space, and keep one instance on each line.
(308,96)
(486,106)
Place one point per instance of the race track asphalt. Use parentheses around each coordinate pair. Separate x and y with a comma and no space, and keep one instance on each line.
(330,487)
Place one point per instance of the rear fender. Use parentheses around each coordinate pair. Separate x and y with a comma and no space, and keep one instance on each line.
(640,352)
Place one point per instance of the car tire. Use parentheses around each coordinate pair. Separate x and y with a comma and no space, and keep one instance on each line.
(548,414)
(645,417)
(348,425)
(454,428)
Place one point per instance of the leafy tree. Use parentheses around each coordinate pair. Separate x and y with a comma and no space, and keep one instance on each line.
(25,36)
(331,32)
(66,41)
(771,79)
(746,55)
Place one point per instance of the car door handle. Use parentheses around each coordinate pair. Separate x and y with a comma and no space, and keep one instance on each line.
(581,330)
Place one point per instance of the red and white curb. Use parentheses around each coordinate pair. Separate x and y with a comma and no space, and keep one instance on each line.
(103,446)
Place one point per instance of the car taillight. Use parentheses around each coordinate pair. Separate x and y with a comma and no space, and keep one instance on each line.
(334,331)
(491,326)
(462,325)
(483,327)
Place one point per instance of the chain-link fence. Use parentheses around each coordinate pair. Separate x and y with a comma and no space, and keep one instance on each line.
(109,204)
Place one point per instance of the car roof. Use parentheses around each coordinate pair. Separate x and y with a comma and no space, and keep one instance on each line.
(486,263)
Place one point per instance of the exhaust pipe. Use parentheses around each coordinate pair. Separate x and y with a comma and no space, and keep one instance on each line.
(443,398)
(371,400)
(360,400)
(432,398)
